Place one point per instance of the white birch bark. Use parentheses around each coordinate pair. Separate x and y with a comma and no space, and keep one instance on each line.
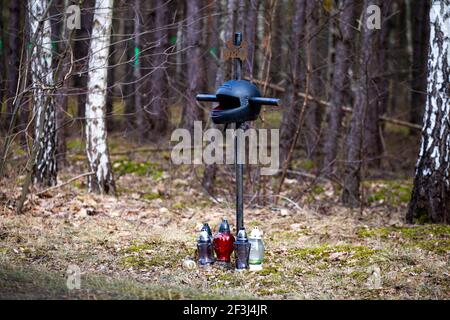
(431,194)
(45,169)
(96,136)
(438,96)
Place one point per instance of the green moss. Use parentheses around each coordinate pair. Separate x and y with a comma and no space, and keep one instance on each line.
(373,232)
(288,235)
(148,245)
(358,255)
(149,254)
(226,279)
(75,144)
(318,190)
(430,237)
(273,280)
(152,196)
(437,246)
(315,253)
(414,232)
(78,157)
(20,152)
(421,232)
(307,164)
(271,292)
(359,276)
(393,192)
(147,168)
(178,206)
(252,224)
(281,291)
(397,130)
(114,144)
(378,196)
(268,270)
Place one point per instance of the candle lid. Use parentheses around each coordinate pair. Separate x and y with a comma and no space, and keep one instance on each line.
(256,233)
(224,226)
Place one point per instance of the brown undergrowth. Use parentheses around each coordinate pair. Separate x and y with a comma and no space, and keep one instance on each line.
(134,245)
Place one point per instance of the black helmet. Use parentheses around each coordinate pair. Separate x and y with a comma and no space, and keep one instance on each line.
(234,102)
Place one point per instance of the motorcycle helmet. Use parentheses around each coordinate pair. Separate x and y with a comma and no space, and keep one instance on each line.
(235,103)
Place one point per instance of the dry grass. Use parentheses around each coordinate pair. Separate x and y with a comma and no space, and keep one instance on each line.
(133,246)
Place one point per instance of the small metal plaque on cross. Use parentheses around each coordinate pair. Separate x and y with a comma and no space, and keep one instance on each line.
(233,51)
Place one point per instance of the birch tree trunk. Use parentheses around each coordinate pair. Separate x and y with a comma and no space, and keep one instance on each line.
(45,169)
(431,193)
(102,180)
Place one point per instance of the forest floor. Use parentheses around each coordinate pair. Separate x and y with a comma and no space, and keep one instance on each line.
(133,246)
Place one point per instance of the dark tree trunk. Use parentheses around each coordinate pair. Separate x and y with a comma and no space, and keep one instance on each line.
(81,51)
(145,65)
(225,69)
(128,87)
(180,56)
(313,111)
(279,34)
(195,66)
(13,53)
(398,56)
(24,110)
(376,91)
(61,97)
(269,11)
(340,85)
(420,22)
(141,119)
(296,76)
(216,76)
(241,20)
(430,200)
(212,29)
(250,37)
(2,62)
(112,63)
(364,135)
(159,111)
